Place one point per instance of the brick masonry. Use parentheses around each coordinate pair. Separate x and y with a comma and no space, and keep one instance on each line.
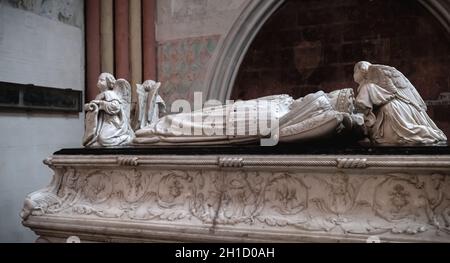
(312,45)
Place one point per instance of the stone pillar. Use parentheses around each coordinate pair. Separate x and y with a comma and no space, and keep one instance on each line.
(121,36)
(149,39)
(135,45)
(107,36)
(92,47)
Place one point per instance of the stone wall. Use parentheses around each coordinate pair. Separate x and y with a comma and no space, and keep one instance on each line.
(65,11)
(188,33)
(182,65)
(313,44)
(41,43)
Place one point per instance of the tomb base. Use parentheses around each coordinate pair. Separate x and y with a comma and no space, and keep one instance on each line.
(122,195)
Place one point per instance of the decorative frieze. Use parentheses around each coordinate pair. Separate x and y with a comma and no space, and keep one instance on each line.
(239,198)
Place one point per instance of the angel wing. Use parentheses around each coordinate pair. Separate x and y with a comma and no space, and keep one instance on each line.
(142,102)
(123,90)
(152,103)
(149,102)
(392,80)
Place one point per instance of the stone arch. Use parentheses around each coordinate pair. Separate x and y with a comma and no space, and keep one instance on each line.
(440,10)
(232,49)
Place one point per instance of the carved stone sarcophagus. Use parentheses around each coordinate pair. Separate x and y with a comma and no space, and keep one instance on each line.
(242,194)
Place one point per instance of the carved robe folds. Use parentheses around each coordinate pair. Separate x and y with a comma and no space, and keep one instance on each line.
(396,120)
(107,124)
(311,117)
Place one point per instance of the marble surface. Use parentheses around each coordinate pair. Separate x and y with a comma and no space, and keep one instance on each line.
(107,118)
(394,111)
(286,149)
(243,198)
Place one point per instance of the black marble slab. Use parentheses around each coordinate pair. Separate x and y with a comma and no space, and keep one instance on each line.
(15,96)
(280,149)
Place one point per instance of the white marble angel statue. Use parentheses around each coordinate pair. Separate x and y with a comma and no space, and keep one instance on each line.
(394,112)
(107,121)
(314,116)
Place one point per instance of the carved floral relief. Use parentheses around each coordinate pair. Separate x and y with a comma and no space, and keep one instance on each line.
(396,203)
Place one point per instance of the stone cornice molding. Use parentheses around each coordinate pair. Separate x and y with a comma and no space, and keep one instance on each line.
(254,161)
